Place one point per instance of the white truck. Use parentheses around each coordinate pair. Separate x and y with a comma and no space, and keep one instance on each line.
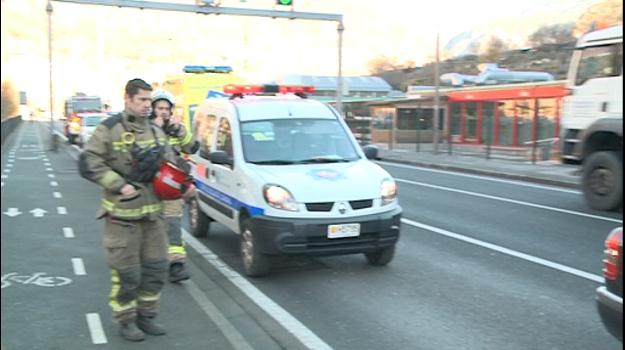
(592,124)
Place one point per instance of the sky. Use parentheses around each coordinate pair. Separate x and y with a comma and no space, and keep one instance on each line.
(107,45)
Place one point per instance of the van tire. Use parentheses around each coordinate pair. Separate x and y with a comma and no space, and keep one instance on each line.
(255,263)
(602,180)
(381,257)
(199,223)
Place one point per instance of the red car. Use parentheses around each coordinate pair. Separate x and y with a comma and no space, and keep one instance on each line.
(610,295)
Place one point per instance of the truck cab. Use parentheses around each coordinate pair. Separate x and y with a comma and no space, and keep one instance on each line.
(592,125)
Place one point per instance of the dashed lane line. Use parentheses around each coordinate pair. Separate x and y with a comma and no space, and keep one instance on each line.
(79,267)
(61,210)
(57,195)
(95,329)
(68,232)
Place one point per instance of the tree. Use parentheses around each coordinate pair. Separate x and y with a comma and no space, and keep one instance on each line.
(495,49)
(8,100)
(560,33)
(382,64)
(600,14)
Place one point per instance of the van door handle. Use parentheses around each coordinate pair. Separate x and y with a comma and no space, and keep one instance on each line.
(604,107)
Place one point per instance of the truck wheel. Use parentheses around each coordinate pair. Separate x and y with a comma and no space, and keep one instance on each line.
(381,257)
(255,263)
(198,221)
(602,180)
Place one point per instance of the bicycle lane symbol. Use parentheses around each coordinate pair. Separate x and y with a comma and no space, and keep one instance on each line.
(38,279)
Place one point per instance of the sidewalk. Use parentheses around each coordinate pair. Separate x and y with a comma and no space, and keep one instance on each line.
(550,172)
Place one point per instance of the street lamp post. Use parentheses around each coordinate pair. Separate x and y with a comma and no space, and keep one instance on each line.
(53,136)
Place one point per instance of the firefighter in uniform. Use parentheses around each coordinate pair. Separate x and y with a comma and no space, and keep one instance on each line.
(181,141)
(122,156)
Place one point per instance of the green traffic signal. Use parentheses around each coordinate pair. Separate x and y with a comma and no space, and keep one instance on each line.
(285,2)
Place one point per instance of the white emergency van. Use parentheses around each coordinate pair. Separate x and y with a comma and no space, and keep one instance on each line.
(285,173)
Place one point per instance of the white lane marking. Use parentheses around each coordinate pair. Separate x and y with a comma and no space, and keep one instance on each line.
(12,212)
(79,266)
(235,338)
(487,178)
(95,329)
(7,170)
(11,160)
(5,176)
(61,210)
(54,183)
(38,212)
(500,249)
(487,196)
(290,323)
(49,169)
(68,232)
(47,164)
(51,176)
(57,195)
(2,184)
(9,165)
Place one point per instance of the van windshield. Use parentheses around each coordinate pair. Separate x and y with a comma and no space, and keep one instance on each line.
(93,120)
(296,141)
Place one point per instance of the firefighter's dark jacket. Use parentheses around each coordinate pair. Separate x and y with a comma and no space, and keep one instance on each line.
(108,161)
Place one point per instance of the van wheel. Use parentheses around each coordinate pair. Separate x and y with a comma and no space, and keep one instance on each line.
(602,180)
(381,257)
(255,263)
(198,221)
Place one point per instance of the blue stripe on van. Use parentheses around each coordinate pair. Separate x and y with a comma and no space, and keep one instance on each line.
(227,200)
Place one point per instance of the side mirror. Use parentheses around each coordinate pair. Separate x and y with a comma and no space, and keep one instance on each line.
(371,151)
(220,157)
(205,154)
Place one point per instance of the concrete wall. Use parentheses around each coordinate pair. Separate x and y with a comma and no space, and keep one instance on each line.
(8,125)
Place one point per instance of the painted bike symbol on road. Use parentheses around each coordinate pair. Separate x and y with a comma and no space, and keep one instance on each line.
(38,279)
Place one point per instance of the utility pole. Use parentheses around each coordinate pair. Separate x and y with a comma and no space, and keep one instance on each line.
(53,136)
(339,83)
(436,99)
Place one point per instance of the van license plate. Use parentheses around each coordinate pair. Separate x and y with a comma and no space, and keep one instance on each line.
(344,230)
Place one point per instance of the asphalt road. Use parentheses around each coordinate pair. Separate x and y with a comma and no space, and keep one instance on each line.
(481,264)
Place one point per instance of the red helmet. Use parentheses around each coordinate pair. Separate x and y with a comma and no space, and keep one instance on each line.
(170,182)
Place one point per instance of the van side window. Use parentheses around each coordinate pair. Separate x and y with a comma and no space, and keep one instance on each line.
(203,132)
(599,62)
(224,137)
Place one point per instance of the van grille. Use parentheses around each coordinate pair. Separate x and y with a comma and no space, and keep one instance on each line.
(325,206)
(361,204)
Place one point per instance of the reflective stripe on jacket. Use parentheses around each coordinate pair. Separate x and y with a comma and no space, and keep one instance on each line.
(107,160)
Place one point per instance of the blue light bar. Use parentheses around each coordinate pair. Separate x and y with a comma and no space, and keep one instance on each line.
(206,69)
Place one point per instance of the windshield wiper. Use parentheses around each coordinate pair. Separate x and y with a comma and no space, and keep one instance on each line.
(273,162)
(323,160)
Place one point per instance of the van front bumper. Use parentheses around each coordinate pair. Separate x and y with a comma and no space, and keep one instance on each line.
(277,236)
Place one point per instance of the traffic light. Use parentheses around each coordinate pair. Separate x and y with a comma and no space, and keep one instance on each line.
(284,2)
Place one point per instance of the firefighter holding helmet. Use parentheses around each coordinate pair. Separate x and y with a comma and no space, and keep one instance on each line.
(129,157)
(181,141)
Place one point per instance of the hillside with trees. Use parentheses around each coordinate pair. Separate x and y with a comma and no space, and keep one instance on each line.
(549,50)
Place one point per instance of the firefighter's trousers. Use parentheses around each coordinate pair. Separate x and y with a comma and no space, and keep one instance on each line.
(172,209)
(137,255)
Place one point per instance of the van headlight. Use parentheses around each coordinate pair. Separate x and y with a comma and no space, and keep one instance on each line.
(279,197)
(388,191)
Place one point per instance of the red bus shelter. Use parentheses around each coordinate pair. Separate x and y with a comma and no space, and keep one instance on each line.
(506,115)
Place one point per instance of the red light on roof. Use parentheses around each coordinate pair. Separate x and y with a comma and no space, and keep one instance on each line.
(259,89)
